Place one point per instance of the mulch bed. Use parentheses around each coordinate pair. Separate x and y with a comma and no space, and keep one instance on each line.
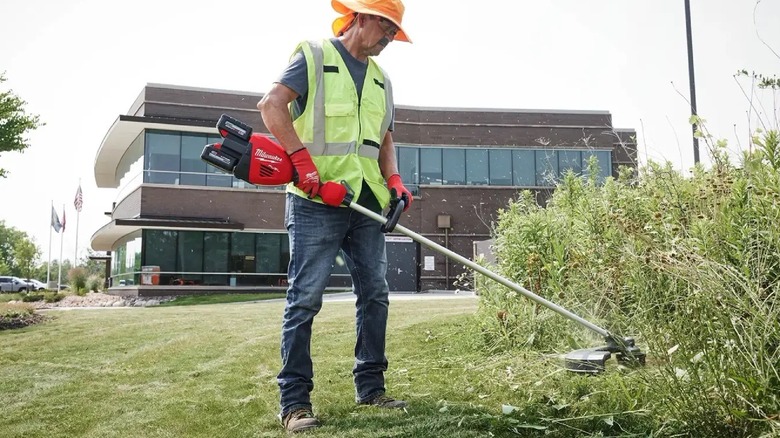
(7,323)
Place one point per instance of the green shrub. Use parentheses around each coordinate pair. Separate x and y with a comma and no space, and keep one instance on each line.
(4,298)
(94,283)
(77,278)
(53,297)
(15,310)
(690,266)
(32,297)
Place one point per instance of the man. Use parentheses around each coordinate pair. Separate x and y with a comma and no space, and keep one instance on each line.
(332,110)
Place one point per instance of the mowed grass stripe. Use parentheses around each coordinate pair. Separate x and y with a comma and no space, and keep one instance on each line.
(199,371)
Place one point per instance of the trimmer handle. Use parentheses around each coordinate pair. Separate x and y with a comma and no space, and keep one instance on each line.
(396,208)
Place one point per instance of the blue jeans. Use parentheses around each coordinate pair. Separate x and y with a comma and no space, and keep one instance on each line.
(317,232)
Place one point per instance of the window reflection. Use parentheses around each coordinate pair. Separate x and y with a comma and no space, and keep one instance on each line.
(569,160)
(546,168)
(174,158)
(500,167)
(193,169)
(477,166)
(430,166)
(195,258)
(126,262)
(525,167)
(162,157)
(454,163)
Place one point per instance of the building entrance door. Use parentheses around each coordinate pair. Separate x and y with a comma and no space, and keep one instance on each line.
(403,271)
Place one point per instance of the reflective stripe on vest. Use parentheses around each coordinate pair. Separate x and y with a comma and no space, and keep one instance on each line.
(335,127)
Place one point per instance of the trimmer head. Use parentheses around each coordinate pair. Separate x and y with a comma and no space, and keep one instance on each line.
(593,360)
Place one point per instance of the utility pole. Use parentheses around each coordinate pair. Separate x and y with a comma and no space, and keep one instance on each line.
(691,81)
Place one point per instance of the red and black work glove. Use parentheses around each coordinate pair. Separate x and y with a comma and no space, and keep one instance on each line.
(397,189)
(305,175)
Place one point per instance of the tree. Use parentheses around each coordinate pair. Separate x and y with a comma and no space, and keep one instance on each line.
(42,269)
(26,253)
(18,253)
(14,123)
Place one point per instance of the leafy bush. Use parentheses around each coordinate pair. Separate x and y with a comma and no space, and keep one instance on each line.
(77,277)
(18,315)
(32,297)
(94,283)
(53,297)
(689,265)
(15,310)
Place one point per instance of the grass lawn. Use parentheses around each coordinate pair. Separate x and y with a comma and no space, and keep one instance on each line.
(209,371)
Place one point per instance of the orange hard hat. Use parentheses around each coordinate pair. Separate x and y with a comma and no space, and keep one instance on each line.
(392,10)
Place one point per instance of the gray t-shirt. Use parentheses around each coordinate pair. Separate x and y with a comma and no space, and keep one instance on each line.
(295,77)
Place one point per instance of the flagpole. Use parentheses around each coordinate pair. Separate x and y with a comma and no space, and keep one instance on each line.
(48,267)
(62,234)
(78,213)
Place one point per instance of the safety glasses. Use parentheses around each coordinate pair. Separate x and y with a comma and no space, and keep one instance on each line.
(388,27)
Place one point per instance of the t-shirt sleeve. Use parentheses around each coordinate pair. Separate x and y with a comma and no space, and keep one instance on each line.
(296,77)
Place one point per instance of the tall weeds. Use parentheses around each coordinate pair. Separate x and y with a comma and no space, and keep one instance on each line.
(689,266)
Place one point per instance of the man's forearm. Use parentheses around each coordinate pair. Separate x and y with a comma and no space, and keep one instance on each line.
(276,118)
(387,161)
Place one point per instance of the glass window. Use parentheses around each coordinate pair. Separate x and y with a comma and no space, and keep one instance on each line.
(215,244)
(162,157)
(408,165)
(477,166)
(269,253)
(569,160)
(430,166)
(192,167)
(546,168)
(454,166)
(604,159)
(524,168)
(190,255)
(216,177)
(500,167)
(160,250)
(131,165)
(126,261)
(242,253)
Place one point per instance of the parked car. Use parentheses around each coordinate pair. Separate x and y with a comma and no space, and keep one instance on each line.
(35,284)
(13,284)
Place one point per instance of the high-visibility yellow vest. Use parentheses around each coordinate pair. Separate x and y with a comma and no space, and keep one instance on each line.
(343,135)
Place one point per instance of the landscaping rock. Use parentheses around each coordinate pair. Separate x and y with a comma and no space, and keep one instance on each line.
(97,299)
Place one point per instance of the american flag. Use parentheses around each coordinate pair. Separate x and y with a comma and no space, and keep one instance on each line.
(79,201)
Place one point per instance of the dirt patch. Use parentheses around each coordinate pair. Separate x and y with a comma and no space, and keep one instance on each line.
(15,322)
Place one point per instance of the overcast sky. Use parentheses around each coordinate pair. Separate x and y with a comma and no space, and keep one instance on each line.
(81,63)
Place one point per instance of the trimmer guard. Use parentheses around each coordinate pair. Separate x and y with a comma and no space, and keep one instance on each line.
(587,360)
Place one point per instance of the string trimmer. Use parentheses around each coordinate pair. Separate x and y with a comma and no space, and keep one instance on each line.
(257,159)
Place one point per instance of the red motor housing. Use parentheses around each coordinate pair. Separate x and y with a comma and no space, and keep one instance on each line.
(265,163)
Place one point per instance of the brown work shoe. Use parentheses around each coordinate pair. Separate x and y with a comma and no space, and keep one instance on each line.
(300,420)
(383,401)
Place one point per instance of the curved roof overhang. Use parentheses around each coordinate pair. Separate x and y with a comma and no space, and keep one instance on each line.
(121,135)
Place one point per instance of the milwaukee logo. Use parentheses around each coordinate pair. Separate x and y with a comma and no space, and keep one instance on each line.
(261,154)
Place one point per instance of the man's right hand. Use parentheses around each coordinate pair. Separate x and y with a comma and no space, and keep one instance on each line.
(305,175)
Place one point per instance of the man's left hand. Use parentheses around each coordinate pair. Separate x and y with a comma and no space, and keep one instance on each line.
(397,189)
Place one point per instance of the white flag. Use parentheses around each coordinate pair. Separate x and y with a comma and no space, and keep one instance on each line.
(55,220)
